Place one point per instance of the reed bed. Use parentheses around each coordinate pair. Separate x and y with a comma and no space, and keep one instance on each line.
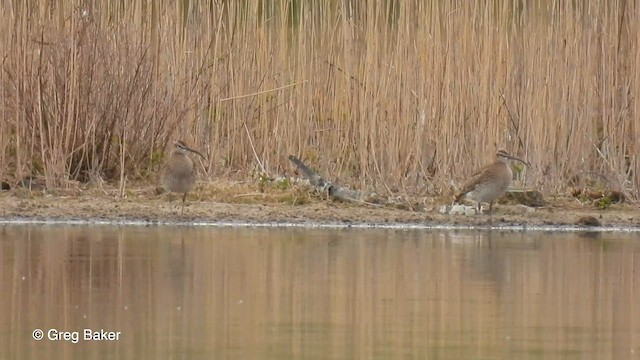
(390,94)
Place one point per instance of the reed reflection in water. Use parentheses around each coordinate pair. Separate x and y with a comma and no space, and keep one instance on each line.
(229,293)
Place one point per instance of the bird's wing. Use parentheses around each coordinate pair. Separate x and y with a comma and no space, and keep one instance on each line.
(473,182)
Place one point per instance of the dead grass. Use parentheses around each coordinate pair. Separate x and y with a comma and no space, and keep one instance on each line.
(252,192)
(382,94)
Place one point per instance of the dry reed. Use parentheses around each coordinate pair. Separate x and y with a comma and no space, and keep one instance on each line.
(408,94)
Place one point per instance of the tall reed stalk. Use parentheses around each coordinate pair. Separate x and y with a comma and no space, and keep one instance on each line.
(396,93)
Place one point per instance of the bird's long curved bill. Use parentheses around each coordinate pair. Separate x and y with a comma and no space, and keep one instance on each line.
(518,159)
(196,152)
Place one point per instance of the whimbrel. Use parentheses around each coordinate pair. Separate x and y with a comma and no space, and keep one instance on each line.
(490,182)
(179,172)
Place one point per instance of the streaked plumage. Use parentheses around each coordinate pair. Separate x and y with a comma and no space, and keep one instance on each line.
(179,172)
(490,182)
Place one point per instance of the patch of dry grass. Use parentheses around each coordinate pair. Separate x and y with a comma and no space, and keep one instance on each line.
(255,193)
(383,94)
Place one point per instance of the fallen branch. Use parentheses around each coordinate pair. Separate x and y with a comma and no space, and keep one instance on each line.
(334,190)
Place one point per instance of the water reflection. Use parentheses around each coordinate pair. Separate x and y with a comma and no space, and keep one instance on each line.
(319,294)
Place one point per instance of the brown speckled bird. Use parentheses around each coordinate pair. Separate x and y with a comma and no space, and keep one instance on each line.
(179,172)
(490,182)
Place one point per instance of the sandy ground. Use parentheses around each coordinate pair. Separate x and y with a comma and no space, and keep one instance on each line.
(242,203)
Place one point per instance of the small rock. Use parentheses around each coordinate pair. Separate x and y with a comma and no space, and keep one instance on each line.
(457,209)
(532,198)
(615,196)
(589,221)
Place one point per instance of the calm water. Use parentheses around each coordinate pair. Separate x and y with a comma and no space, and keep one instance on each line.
(224,293)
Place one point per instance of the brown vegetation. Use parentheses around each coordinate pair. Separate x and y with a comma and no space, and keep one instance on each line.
(404,94)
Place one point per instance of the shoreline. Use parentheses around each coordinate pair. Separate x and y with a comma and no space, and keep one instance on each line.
(227,206)
(323,225)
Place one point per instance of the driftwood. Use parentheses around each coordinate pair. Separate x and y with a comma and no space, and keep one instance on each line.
(323,185)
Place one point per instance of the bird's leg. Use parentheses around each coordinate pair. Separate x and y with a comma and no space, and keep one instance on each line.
(491,212)
(479,208)
(184,199)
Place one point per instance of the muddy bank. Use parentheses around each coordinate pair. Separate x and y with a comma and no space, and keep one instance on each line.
(244,203)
